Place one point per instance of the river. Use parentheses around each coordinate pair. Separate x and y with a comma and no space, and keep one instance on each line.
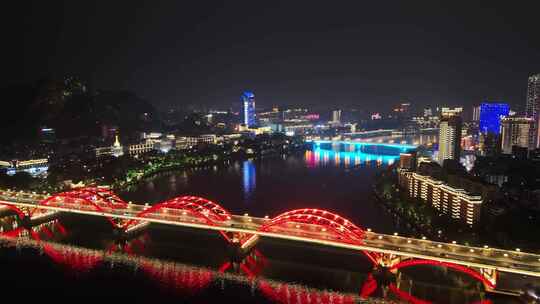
(194,265)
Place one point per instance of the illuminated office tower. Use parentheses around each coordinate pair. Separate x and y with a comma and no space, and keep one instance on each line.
(491,115)
(336,116)
(248,109)
(533,107)
(449,138)
(516,132)
(476,114)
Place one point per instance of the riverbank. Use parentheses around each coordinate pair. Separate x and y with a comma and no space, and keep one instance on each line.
(173,163)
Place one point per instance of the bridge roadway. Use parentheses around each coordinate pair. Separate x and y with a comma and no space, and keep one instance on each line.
(516,262)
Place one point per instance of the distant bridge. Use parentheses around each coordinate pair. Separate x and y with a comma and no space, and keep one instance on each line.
(304,225)
(401,147)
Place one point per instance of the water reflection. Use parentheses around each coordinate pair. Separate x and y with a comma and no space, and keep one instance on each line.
(253,272)
(249,180)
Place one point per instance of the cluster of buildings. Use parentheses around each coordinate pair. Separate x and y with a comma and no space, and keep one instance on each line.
(160,142)
(35,167)
(494,130)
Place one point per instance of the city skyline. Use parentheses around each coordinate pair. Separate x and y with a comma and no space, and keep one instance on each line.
(169,54)
(272,152)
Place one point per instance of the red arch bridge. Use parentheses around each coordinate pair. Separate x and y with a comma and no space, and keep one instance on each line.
(303,225)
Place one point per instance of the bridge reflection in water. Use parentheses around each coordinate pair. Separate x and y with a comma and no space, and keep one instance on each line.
(189,280)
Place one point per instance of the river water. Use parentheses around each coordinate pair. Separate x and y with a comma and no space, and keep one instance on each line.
(85,257)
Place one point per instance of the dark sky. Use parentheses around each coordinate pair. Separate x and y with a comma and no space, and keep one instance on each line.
(363,53)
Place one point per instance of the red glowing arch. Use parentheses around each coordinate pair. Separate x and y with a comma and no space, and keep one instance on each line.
(466,270)
(98,199)
(103,198)
(338,226)
(17,210)
(199,207)
(342,227)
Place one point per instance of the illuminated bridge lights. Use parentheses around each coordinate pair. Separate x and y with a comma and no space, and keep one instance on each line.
(343,229)
(463,269)
(314,226)
(199,207)
(362,143)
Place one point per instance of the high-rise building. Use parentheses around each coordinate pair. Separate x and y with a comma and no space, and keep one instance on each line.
(476,114)
(449,138)
(533,107)
(248,109)
(489,144)
(516,132)
(490,116)
(336,116)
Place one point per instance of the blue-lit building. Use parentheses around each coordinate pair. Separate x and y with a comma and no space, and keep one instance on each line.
(490,116)
(248,109)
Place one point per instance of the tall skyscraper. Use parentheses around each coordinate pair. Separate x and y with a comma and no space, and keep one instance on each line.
(533,107)
(491,115)
(336,116)
(476,114)
(516,132)
(449,138)
(248,109)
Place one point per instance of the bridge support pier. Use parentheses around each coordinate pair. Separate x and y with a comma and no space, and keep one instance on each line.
(240,244)
(131,231)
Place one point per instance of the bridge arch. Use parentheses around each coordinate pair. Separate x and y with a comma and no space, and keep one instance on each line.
(104,198)
(334,224)
(460,268)
(199,207)
(83,198)
(20,213)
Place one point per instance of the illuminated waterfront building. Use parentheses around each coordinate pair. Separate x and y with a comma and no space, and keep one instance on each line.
(115,150)
(454,202)
(35,167)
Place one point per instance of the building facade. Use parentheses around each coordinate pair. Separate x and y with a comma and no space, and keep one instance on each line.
(449,138)
(115,150)
(516,132)
(336,116)
(533,106)
(454,202)
(491,115)
(248,109)
(187,142)
(476,114)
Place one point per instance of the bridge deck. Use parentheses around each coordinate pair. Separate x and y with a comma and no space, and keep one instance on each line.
(489,258)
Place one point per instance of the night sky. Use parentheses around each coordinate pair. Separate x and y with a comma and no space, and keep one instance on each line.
(335,53)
